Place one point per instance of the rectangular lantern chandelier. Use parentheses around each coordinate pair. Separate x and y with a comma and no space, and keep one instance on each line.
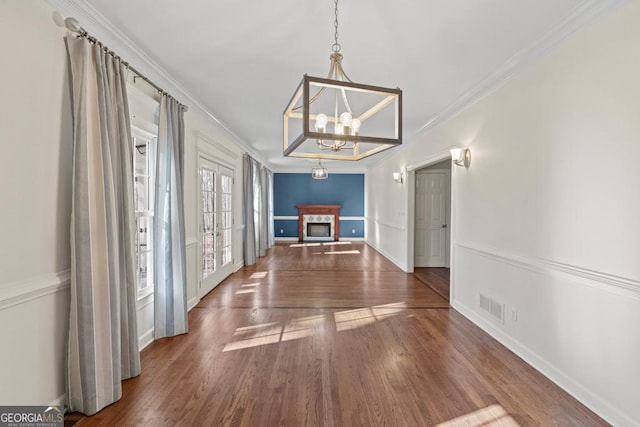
(337,119)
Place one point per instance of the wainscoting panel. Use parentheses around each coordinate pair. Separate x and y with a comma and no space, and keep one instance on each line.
(390,248)
(34,325)
(576,326)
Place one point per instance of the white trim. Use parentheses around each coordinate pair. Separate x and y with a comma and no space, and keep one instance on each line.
(577,390)
(190,243)
(35,287)
(60,401)
(388,224)
(604,281)
(211,150)
(431,160)
(143,294)
(352,239)
(238,265)
(192,303)
(286,239)
(385,254)
(295,218)
(144,301)
(145,339)
(580,17)
(101,28)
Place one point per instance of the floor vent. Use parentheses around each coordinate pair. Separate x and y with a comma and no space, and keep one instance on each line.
(492,307)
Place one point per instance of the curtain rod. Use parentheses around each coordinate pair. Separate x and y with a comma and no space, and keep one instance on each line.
(73,25)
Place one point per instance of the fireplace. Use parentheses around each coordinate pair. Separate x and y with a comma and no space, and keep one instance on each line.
(318,222)
(318,229)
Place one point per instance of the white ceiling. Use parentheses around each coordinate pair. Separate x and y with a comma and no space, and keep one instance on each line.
(243,59)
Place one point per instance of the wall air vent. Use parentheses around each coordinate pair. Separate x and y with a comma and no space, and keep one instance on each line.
(492,307)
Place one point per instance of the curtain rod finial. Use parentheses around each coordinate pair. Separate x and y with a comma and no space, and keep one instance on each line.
(72,24)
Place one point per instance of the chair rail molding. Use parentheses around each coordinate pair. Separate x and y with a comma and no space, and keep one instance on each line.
(604,281)
(25,290)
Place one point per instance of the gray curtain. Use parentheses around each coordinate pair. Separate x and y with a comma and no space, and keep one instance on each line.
(170,298)
(257,209)
(103,339)
(249,231)
(270,218)
(264,211)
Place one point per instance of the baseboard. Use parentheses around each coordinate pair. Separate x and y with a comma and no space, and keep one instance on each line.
(386,255)
(238,265)
(60,401)
(286,239)
(192,303)
(585,396)
(145,339)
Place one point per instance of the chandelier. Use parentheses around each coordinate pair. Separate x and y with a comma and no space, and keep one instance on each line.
(319,172)
(341,120)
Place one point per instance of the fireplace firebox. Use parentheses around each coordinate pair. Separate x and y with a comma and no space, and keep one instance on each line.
(319,229)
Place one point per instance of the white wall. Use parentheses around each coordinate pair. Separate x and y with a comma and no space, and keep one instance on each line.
(541,222)
(35,184)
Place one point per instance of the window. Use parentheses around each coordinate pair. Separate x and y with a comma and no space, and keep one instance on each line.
(143,175)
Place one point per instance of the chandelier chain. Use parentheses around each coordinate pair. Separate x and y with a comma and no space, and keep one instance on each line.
(336,46)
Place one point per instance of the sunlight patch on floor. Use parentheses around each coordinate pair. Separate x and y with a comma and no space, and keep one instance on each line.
(353,252)
(304,327)
(304,245)
(301,328)
(249,285)
(353,319)
(274,332)
(336,243)
(491,416)
(246,291)
(259,275)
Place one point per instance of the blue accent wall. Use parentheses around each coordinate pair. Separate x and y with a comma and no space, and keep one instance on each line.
(291,189)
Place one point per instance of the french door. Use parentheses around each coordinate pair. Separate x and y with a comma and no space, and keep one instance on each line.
(215,224)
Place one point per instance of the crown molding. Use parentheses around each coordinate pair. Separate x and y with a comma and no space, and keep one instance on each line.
(100,27)
(580,17)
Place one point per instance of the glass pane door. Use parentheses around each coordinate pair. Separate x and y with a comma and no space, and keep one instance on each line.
(207,228)
(216,224)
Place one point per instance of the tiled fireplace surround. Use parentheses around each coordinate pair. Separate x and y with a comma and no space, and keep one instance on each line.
(321,214)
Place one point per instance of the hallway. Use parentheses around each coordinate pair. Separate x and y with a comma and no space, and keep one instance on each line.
(334,335)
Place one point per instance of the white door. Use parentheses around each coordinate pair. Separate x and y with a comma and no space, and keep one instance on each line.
(216,225)
(431,219)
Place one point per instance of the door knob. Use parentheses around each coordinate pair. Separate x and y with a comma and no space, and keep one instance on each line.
(444,225)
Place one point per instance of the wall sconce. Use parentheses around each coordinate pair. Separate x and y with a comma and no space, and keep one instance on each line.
(461,156)
(398,177)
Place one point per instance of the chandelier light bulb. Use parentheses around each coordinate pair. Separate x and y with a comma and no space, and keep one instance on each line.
(321,122)
(345,119)
(355,126)
(338,130)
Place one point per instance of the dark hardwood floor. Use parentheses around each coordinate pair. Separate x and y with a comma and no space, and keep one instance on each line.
(334,335)
(436,278)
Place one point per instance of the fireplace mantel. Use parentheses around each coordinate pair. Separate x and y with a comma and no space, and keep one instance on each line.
(318,210)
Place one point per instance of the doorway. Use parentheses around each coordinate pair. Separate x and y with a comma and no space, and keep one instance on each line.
(215,224)
(432,215)
(432,226)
